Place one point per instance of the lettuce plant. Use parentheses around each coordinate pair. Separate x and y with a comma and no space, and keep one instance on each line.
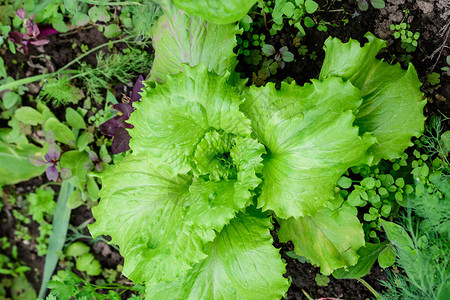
(214,162)
(216,11)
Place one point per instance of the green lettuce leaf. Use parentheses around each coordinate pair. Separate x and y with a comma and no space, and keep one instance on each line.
(143,208)
(310,140)
(14,164)
(217,11)
(393,103)
(241,264)
(173,118)
(330,239)
(179,38)
(232,168)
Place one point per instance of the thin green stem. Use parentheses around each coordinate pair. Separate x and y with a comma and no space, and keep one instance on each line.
(23,81)
(371,289)
(91,51)
(31,79)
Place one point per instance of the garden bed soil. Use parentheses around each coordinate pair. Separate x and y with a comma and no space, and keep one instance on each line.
(431,18)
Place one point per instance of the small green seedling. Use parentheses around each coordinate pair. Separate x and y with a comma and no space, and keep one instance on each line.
(409,39)
(364,4)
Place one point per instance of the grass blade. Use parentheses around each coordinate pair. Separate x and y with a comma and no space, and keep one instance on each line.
(60,224)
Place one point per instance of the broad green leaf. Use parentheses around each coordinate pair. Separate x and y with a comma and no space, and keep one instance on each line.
(241,264)
(378,4)
(398,236)
(99,13)
(80,19)
(14,164)
(311,6)
(76,161)
(330,239)
(181,39)
(92,188)
(62,133)
(387,257)
(217,11)
(29,115)
(74,119)
(368,256)
(77,249)
(10,98)
(310,139)
(393,103)
(172,118)
(21,289)
(87,263)
(112,31)
(2,68)
(143,208)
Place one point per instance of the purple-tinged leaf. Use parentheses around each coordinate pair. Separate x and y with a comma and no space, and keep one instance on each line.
(93,156)
(287,56)
(52,173)
(16,37)
(40,42)
(283,49)
(32,29)
(50,137)
(110,127)
(121,141)
(46,31)
(53,153)
(21,13)
(137,88)
(66,173)
(36,161)
(98,167)
(125,108)
(268,50)
(124,124)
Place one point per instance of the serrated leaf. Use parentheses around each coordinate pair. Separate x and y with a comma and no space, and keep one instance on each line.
(300,126)
(192,102)
(143,209)
(216,11)
(241,264)
(316,238)
(182,39)
(390,111)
